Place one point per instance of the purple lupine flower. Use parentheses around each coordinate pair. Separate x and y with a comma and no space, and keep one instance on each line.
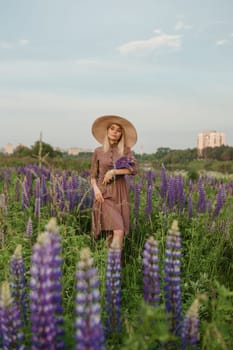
(124,162)
(163,185)
(7,177)
(29,228)
(89,330)
(11,334)
(28,174)
(229,188)
(44,191)
(130,181)
(65,190)
(148,208)
(45,295)
(172,280)
(220,201)
(25,194)
(75,184)
(60,186)
(85,173)
(113,290)
(171,195)
(180,193)
(57,195)
(37,199)
(69,194)
(189,335)
(17,280)
(151,272)
(201,205)
(190,206)
(17,190)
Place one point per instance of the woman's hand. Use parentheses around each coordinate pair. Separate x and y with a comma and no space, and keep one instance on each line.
(108,176)
(98,195)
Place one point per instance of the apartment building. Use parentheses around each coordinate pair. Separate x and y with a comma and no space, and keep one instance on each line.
(9,148)
(210,139)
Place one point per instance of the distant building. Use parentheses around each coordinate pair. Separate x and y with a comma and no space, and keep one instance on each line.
(210,139)
(9,148)
(75,151)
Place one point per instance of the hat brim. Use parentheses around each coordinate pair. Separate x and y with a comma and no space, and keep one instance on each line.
(101,124)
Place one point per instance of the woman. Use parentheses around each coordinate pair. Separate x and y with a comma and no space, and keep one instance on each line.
(110,163)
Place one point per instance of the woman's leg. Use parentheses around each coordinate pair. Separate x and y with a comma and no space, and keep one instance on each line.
(109,237)
(117,239)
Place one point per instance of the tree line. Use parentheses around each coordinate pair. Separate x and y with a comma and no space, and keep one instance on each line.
(216,158)
(168,155)
(162,154)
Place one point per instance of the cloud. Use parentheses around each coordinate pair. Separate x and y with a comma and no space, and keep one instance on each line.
(225,41)
(160,40)
(14,44)
(23,42)
(180,25)
(222,42)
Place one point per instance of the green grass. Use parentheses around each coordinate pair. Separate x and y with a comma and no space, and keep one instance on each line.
(207,266)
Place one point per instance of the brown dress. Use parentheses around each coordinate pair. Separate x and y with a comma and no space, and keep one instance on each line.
(114,212)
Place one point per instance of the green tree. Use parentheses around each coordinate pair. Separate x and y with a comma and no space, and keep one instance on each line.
(43,149)
(22,151)
(162,152)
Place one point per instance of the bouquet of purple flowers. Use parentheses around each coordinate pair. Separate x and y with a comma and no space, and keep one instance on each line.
(124,162)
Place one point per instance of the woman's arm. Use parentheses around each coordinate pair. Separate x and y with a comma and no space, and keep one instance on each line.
(93,176)
(97,192)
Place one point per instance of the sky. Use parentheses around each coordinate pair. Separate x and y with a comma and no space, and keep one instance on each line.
(166,65)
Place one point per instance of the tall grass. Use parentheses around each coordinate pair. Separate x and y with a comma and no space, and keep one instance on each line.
(206,260)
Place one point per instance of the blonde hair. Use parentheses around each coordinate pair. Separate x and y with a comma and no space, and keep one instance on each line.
(120,144)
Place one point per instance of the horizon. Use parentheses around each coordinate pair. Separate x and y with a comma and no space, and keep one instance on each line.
(89,149)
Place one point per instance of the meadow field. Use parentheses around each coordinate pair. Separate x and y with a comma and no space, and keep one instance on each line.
(170,288)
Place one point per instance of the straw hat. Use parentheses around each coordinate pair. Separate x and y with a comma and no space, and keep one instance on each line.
(101,124)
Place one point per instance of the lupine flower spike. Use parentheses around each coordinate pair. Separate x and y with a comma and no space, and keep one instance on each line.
(113,290)
(45,294)
(151,272)
(172,278)
(29,228)
(25,194)
(189,336)
(37,199)
(17,280)
(201,204)
(148,208)
(220,201)
(163,185)
(11,335)
(89,329)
